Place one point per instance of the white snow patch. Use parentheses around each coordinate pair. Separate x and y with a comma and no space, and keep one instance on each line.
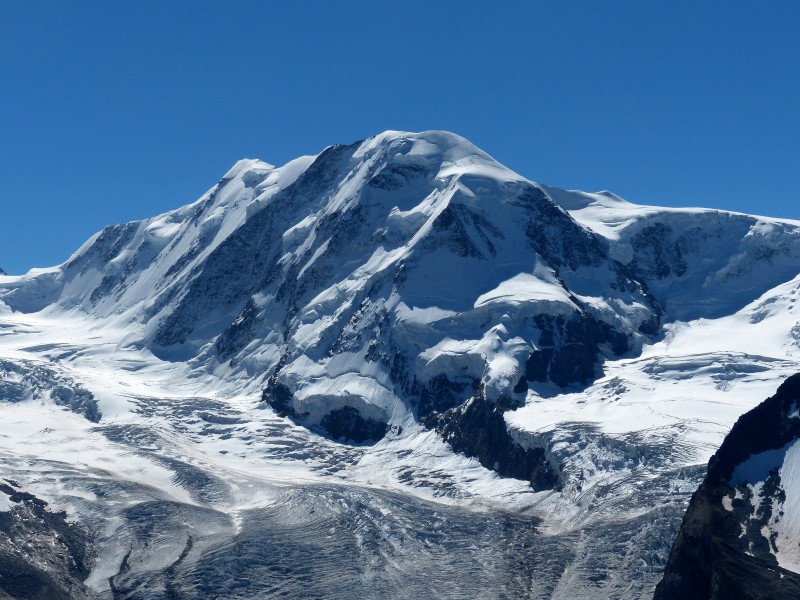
(525,287)
(788,526)
(5,502)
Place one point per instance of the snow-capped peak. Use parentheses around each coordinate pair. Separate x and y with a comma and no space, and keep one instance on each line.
(453,330)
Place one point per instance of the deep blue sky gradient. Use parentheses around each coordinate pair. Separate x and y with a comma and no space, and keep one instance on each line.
(113,111)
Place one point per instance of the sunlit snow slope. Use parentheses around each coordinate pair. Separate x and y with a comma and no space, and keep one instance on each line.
(407,331)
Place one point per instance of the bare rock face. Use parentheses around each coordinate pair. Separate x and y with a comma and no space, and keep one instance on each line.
(733,540)
(41,554)
(477,428)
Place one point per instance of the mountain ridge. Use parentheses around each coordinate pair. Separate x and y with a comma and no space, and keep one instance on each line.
(401,315)
(320,279)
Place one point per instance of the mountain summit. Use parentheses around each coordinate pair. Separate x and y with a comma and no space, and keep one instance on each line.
(406,312)
(406,275)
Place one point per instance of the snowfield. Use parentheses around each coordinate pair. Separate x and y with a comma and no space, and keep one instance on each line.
(206,371)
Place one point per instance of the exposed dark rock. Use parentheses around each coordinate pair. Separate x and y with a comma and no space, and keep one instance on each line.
(453,233)
(251,252)
(538,364)
(521,387)
(111,242)
(554,234)
(279,397)
(42,556)
(394,176)
(650,326)
(206,236)
(655,255)
(453,226)
(242,328)
(720,553)
(766,427)
(347,424)
(441,394)
(568,349)
(106,247)
(477,429)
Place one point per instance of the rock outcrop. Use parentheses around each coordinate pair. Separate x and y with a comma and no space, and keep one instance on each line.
(42,555)
(737,536)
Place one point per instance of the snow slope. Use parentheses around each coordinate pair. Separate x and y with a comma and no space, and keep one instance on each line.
(402,322)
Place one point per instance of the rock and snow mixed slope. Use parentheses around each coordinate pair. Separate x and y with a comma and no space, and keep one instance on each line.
(740,537)
(408,315)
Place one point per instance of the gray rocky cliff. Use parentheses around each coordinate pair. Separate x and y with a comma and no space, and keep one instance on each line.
(721,551)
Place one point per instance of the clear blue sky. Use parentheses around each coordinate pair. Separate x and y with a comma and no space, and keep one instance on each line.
(113,111)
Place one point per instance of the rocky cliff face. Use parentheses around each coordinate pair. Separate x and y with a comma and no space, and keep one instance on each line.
(42,555)
(739,538)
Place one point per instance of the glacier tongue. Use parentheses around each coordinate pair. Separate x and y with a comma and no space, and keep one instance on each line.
(399,325)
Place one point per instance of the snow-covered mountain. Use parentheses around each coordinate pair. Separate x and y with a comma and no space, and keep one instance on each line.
(401,328)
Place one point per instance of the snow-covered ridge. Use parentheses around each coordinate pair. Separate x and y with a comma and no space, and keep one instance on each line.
(698,262)
(361,276)
(419,246)
(410,294)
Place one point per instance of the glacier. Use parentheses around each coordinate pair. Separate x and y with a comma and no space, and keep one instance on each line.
(397,350)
